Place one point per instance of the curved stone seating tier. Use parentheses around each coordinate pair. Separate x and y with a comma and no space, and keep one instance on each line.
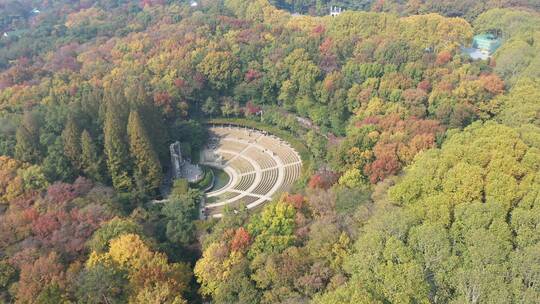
(292,173)
(286,153)
(260,166)
(246,200)
(232,146)
(243,202)
(269,179)
(241,165)
(245,182)
(225,196)
(263,158)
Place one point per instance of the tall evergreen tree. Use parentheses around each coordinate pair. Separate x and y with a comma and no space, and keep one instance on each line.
(71,137)
(90,161)
(56,165)
(147,166)
(116,148)
(150,115)
(28,148)
(87,109)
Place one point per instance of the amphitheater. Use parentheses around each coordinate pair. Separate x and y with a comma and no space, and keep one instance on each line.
(259,166)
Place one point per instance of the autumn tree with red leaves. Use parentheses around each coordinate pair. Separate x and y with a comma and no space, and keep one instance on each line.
(241,240)
(443,58)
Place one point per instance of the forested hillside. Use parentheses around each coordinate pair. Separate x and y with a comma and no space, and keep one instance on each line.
(422,167)
(468,9)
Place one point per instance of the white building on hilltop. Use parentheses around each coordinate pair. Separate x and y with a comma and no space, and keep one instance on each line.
(335,11)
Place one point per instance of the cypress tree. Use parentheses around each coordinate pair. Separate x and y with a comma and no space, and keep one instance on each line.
(56,165)
(116,148)
(150,115)
(90,160)
(147,166)
(87,109)
(71,137)
(27,148)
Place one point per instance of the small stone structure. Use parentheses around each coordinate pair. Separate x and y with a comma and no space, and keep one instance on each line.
(183,168)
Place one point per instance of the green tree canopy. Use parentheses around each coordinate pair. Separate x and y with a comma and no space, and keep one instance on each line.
(455,226)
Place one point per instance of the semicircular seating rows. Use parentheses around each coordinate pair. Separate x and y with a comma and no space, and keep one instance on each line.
(259,165)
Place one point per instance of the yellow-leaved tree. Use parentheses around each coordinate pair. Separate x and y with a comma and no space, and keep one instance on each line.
(152,279)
